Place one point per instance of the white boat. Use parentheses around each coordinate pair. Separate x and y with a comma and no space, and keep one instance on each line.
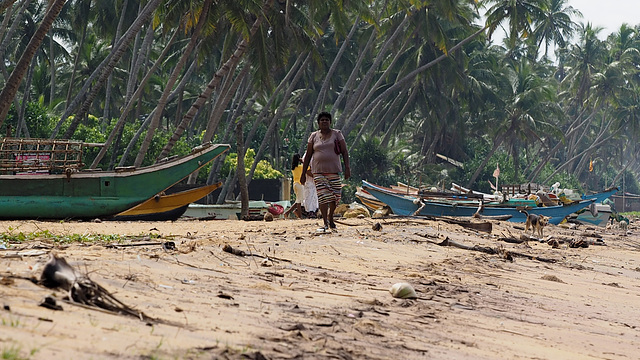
(598,215)
(230,210)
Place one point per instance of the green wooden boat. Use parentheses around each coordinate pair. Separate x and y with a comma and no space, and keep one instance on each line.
(42,179)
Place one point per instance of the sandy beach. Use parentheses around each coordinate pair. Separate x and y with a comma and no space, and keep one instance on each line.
(290,293)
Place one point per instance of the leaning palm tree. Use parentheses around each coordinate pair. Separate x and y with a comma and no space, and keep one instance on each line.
(11,86)
(81,103)
(155,120)
(4,4)
(231,62)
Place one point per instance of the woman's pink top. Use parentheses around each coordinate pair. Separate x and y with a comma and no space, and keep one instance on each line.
(325,160)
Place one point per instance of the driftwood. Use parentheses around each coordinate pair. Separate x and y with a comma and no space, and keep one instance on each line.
(167,245)
(478,226)
(591,234)
(344,223)
(21,254)
(231,250)
(493,251)
(495,217)
(584,243)
(511,240)
(57,273)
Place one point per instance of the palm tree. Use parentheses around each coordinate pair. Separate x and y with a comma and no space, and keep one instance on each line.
(125,112)
(555,25)
(11,86)
(529,102)
(521,14)
(173,78)
(89,91)
(232,62)
(8,37)
(79,21)
(4,4)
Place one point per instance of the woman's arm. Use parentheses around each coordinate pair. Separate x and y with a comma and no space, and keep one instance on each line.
(345,158)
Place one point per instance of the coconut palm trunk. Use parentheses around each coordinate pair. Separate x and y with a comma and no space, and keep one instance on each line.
(363,92)
(179,89)
(327,79)
(233,60)
(5,22)
(7,37)
(4,4)
(366,107)
(127,109)
(218,111)
(162,102)
(242,180)
(77,60)
(277,115)
(398,118)
(89,90)
(348,86)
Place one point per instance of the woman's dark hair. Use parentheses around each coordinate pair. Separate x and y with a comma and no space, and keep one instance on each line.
(324,114)
(297,159)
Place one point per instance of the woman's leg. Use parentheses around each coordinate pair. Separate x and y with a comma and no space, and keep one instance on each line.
(298,210)
(323,210)
(332,208)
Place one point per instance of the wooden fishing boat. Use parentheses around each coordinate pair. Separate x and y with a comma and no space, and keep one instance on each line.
(368,200)
(407,205)
(486,197)
(602,196)
(165,207)
(230,210)
(43,179)
(404,188)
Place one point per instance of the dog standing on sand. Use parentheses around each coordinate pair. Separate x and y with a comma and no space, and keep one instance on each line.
(536,223)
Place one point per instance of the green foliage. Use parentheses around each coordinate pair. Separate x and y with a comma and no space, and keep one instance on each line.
(507,171)
(36,117)
(369,162)
(89,131)
(630,182)
(20,237)
(12,353)
(566,180)
(264,170)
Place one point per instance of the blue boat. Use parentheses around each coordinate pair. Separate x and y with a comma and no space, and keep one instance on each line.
(407,205)
(601,196)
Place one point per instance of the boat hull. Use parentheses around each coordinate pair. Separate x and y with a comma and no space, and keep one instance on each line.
(601,196)
(368,200)
(601,218)
(169,215)
(407,205)
(165,207)
(94,194)
(228,211)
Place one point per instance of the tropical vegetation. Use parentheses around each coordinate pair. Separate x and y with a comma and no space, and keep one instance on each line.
(425,91)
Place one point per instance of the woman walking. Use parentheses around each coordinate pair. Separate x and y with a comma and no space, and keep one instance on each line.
(324,148)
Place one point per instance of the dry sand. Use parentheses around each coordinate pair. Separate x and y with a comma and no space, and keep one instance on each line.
(325,296)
